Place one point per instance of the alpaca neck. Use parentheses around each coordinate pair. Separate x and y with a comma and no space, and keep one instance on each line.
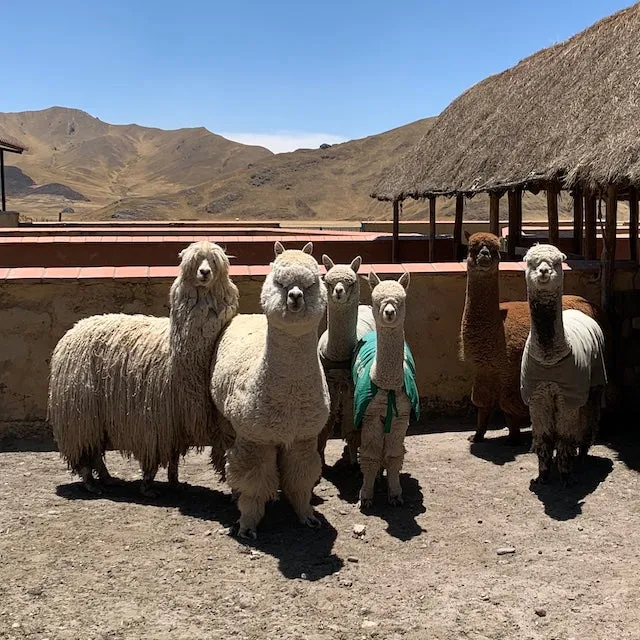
(548,341)
(342,320)
(482,326)
(387,371)
(290,355)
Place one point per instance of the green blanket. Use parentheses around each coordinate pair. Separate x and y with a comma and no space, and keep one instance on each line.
(365,389)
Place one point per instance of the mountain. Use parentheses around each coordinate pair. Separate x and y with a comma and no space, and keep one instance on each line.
(71,152)
(131,172)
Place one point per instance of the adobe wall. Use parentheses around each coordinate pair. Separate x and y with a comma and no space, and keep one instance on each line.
(38,306)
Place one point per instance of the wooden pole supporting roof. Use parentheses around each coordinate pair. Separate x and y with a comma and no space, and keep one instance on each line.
(633,224)
(12,146)
(432,228)
(578,218)
(395,249)
(515,221)
(590,228)
(494,213)
(457,228)
(608,256)
(552,215)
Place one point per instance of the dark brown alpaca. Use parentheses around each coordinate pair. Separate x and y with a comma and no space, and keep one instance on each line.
(493,335)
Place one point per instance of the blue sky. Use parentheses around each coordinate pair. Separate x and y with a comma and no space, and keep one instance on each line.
(278,73)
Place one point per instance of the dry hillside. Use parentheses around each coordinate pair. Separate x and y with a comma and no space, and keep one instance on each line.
(99,171)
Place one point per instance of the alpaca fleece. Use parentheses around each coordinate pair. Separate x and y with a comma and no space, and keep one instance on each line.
(269,388)
(139,384)
(563,372)
(493,336)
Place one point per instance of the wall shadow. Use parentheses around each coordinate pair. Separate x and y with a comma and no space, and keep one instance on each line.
(298,549)
(565,502)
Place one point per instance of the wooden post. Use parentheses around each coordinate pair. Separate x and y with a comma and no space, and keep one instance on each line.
(494,213)
(396,232)
(4,197)
(578,215)
(432,228)
(633,224)
(552,214)
(515,221)
(608,257)
(590,250)
(457,227)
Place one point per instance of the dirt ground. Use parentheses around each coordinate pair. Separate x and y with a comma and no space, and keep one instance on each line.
(123,567)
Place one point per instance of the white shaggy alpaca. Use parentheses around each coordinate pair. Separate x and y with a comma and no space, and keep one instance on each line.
(563,373)
(386,395)
(336,347)
(139,384)
(268,384)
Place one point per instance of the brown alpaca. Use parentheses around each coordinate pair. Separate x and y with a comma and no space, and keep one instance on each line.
(493,335)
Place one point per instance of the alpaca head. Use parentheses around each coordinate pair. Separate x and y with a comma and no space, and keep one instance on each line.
(484,253)
(202,264)
(388,299)
(544,268)
(293,296)
(342,281)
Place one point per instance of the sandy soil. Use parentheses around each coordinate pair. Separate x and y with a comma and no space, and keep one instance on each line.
(122,567)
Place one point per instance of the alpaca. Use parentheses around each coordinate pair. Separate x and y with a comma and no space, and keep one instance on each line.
(563,372)
(493,335)
(269,388)
(336,347)
(139,384)
(383,362)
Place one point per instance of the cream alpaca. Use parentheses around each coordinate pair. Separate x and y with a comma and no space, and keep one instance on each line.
(268,385)
(385,420)
(563,374)
(336,347)
(139,384)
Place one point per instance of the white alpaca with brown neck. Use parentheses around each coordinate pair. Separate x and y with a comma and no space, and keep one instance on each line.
(383,418)
(563,373)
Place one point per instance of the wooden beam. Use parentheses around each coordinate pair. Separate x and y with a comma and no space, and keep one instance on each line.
(608,256)
(633,224)
(4,197)
(590,250)
(494,213)
(432,228)
(578,219)
(395,257)
(552,215)
(515,221)
(457,227)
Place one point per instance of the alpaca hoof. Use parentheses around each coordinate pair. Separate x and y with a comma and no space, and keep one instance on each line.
(476,437)
(396,501)
(247,533)
(311,521)
(365,504)
(148,492)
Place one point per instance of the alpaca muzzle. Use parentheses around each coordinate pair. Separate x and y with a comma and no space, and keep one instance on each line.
(295,300)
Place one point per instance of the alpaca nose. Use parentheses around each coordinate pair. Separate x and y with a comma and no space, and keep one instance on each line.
(205,272)
(544,270)
(295,296)
(339,290)
(389,313)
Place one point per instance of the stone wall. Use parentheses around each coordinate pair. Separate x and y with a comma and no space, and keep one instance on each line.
(38,306)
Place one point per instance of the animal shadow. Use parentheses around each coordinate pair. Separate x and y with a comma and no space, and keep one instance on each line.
(191,500)
(565,502)
(401,520)
(499,450)
(626,444)
(302,552)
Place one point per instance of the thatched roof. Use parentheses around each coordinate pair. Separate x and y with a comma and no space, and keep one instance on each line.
(568,114)
(8,143)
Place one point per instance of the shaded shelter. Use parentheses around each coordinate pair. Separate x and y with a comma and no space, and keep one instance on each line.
(564,119)
(11,145)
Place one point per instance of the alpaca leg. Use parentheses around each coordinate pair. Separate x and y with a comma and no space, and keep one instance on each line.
(571,427)
(252,474)
(351,448)
(394,458)
(300,469)
(220,444)
(103,473)
(323,436)
(371,451)
(513,424)
(85,471)
(350,434)
(543,411)
(482,422)
(565,455)
(148,476)
(172,469)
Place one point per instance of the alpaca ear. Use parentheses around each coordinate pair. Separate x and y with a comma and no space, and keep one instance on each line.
(404,280)
(373,279)
(467,235)
(563,257)
(327,262)
(181,253)
(278,248)
(355,264)
(308,248)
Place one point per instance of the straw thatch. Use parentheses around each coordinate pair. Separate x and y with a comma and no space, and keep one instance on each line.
(569,115)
